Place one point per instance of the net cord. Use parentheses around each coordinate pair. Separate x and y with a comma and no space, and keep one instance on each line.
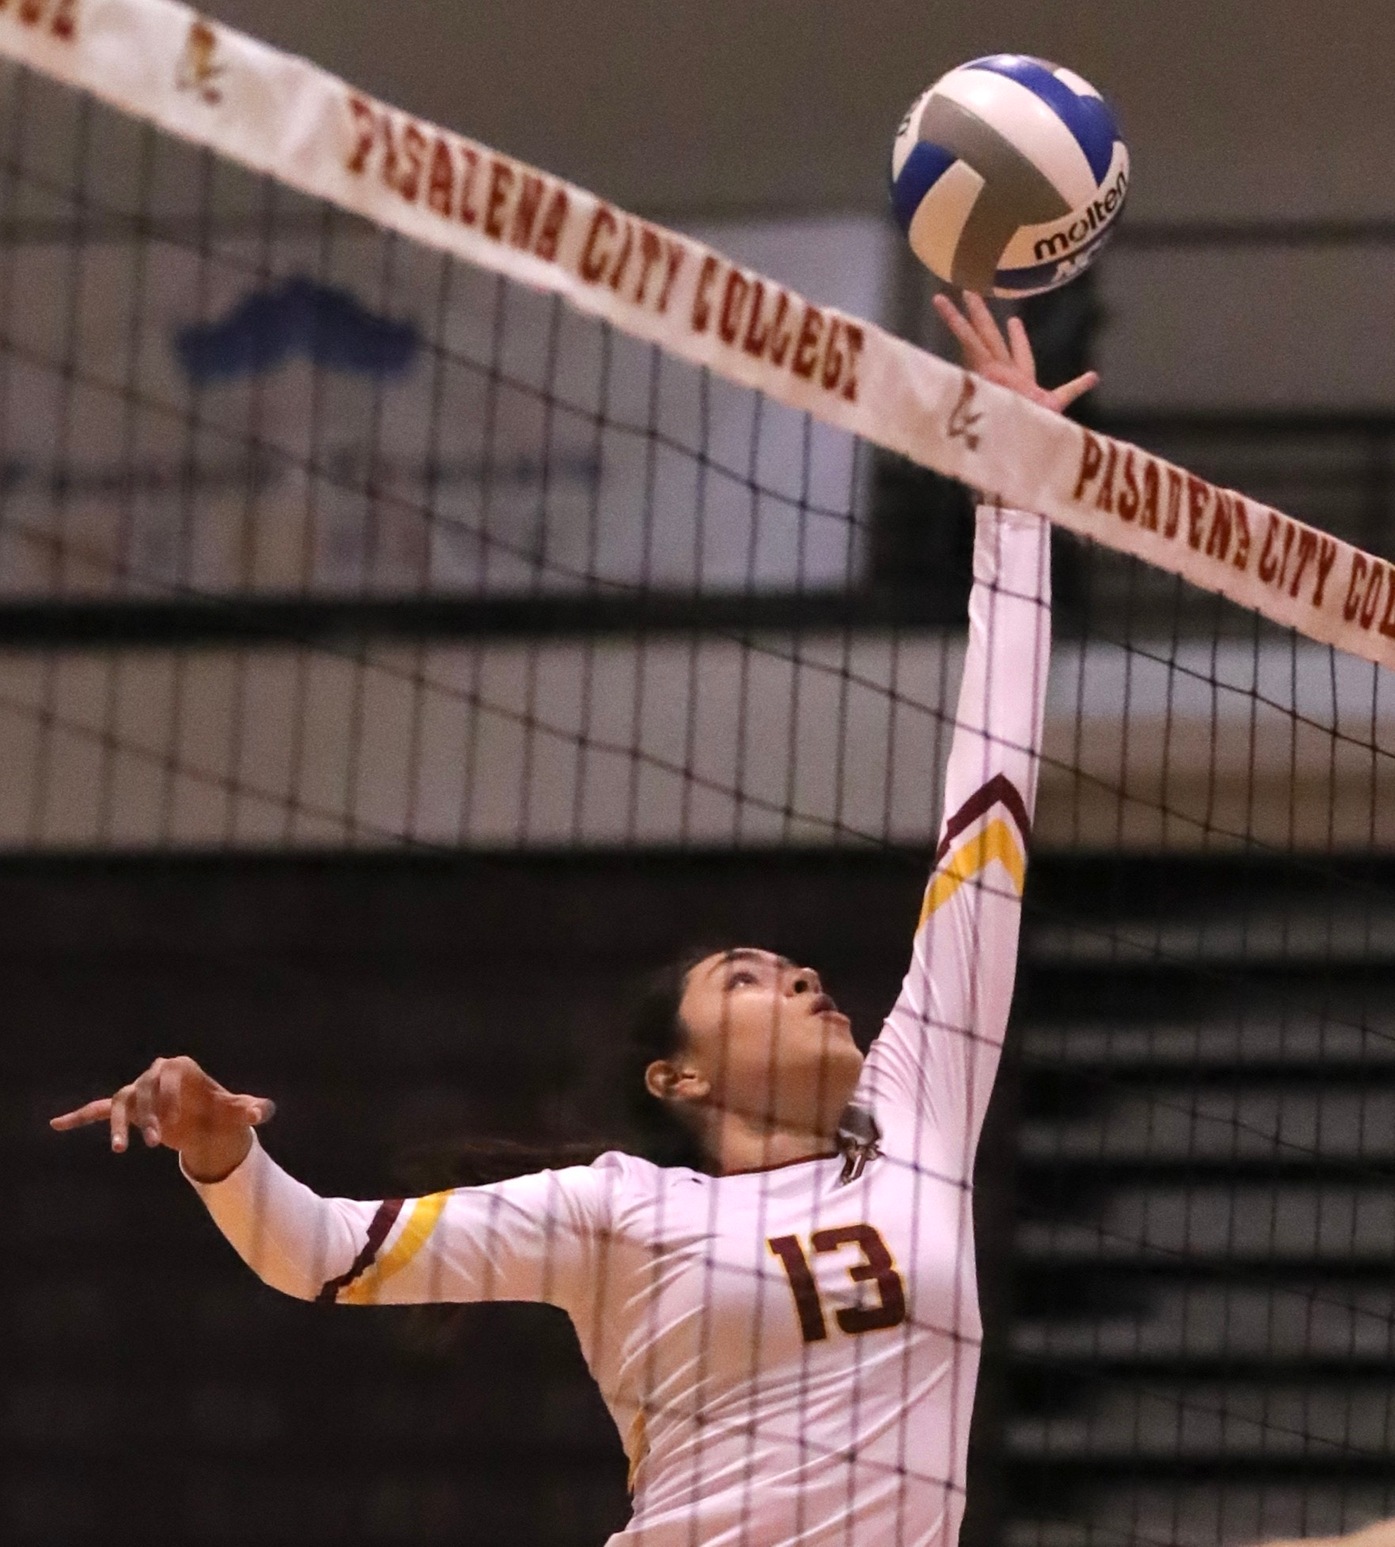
(284,117)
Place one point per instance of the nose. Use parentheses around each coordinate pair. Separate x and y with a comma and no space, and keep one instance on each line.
(804,980)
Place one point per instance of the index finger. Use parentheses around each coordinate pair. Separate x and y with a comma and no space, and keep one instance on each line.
(93,1112)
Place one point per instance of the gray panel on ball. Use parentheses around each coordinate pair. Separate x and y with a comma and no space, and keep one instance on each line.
(1014,193)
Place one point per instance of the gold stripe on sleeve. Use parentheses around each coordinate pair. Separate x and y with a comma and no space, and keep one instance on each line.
(996,841)
(636,1448)
(420,1223)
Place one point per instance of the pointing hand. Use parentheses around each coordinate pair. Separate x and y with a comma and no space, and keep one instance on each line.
(176,1104)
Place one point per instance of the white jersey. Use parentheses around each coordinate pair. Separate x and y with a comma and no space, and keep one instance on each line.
(790,1354)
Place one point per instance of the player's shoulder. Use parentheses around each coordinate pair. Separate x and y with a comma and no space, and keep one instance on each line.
(621,1166)
(594,1196)
(638,1191)
(621,1171)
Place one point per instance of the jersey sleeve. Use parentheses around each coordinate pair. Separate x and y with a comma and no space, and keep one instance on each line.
(937,1053)
(534,1237)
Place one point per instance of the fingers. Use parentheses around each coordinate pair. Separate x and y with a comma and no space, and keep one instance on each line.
(1008,361)
(975,354)
(1021,346)
(978,333)
(986,326)
(154,1103)
(110,1109)
(1063,397)
(120,1118)
(81,1117)
(142,1106)
(253,1110)
(168,1105)
(984,344)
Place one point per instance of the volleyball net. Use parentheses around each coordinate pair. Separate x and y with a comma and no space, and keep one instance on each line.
(365,489)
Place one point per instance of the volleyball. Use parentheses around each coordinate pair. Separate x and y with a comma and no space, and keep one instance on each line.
(1009,175)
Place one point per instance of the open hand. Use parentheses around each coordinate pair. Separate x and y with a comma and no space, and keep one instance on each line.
(1007,361)
(176,1104)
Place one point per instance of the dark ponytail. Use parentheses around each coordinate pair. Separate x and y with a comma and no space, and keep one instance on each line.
(656,1131)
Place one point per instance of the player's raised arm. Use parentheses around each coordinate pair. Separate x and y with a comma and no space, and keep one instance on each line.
(938,1052)
(529,1238)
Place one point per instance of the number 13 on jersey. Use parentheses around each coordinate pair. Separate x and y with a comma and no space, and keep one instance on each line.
(876,1266)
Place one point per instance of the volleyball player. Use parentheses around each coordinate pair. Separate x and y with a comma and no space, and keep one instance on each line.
(786,1332)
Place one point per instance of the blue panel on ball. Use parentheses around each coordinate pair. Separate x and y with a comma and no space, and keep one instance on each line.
(924,167)
(1087,118)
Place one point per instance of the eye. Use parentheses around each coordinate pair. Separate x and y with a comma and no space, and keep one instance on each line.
(742,975)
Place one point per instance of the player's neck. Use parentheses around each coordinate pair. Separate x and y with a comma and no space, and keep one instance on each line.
(739,1144)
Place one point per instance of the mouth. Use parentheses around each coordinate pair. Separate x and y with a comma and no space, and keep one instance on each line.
(824,1005)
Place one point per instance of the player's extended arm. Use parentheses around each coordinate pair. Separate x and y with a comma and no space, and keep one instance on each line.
(530,1238)
(939,1049)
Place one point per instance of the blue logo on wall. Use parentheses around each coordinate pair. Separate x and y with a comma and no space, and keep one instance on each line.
(327,326)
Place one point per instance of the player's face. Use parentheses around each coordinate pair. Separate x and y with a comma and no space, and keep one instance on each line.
(769,1043)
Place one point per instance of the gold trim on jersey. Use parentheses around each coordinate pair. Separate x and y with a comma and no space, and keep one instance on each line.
(420,1223)
(996,841)
(636,1448)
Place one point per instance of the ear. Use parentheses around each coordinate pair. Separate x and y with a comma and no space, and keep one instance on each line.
(672,1082)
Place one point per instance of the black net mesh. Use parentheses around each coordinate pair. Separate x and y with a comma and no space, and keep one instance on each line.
(395,666)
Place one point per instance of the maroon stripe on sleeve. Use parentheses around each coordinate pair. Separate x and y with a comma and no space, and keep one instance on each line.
(381,1223)
(1000,790)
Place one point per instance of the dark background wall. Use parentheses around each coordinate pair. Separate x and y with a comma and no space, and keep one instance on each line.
(1233,108)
